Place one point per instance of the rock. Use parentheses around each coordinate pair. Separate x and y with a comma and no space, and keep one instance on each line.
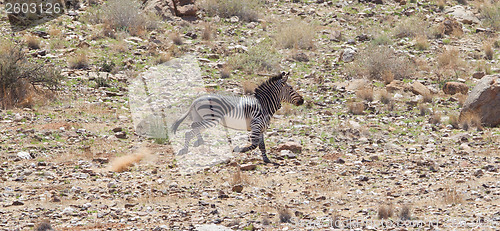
(484,101)
(121,135)
(187,10)
(301,57)
(237,188)
(248,167)
(419,89)
(452,88)
(18,117)
(292,146)
(462,15)
(451,25)
(347,55)
(288,154)
(162,8)
(234,19)
(117,129)
(17,203)
(24,155)
(478,75)
(395,85)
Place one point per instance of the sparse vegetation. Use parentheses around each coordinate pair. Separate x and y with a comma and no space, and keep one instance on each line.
(125,15)
(490,14)
(79,60)
(356,108)
(33,42)
(261,57)
(19,77)
(296,33)
(284,215)
(378,62)
(246,10)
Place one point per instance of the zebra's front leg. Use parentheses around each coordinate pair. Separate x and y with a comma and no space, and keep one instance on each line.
(255,137)
(199,141)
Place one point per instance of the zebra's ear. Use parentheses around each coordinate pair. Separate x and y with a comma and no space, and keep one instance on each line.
(284,76)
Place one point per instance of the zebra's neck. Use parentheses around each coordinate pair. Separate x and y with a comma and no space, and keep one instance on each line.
(270,102)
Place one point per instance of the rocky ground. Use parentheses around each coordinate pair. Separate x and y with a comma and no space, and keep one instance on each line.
(379,143)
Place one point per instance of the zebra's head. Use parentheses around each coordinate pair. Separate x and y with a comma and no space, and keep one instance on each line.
(288,94)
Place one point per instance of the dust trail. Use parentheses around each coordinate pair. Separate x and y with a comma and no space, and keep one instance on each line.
(122,163)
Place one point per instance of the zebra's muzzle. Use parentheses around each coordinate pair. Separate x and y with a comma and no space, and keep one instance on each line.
(299,102)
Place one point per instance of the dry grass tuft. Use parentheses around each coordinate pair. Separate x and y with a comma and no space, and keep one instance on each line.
(490,14)
(427,97)
(126,15)
(79,60)
(260,58)
(451,196)
(284,215)
(488,51)
(453,121)
(120,47)
(225,72)
(435,118)
(385,98)
(248,87)
(207,32)
(424,110)
(410,27)
(365,93)
(356,108)
(421,42)
(54,32)
(385,212)
(461,99)
(164,57)
(176,38)
(43,226)
(122,163)
(378,62)
(449,58)
(296,34)
(246,10)
(470,120)
(405,213)
(33,42)
(387,76)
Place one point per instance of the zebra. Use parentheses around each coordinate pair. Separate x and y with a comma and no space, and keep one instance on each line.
(250,112)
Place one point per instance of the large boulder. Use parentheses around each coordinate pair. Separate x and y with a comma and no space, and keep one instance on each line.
(484,101)
(419,89)
(463,15)
(167,9)
(452,88)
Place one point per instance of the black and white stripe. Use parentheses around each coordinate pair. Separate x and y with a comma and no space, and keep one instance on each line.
(252,113)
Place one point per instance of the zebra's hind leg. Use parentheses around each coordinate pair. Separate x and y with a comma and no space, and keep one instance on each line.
(262,148)
(199,141)
(187,138)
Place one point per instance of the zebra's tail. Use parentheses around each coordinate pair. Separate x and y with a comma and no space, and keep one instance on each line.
(178,122)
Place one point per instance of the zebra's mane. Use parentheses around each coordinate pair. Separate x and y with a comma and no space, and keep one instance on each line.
(265,85)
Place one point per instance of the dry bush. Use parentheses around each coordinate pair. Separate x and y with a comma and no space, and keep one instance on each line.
(376,62)
(79,60)
(405,213)
(207,32)
(43,226)
(120,46)
(421,42)
(470,120)
(488,51)
(387,76)
(122,163)
(490,15)
(20,77)
(296,34)
(225,72)
(33,42)
(385,212)
(451,196)
(427,97)
(449,58)
(126,15)
(410,27)
(262,57)
(54,32)
(284,215)
(385,98)
(441,4)
(248,87)
(356,108)
(246,10)
(365,93)
(423,109)
(435,118)
(163,57)
(461,99)
(453,121)
(176,38)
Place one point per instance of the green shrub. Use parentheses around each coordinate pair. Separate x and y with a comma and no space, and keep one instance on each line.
(19,78)
(490,15)
(261,57)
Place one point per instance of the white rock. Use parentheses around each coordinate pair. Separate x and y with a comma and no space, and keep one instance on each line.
(24,155)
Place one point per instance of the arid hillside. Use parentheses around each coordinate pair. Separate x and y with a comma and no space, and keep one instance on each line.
(399,129)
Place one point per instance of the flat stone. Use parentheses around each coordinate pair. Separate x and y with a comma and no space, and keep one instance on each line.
(248,167)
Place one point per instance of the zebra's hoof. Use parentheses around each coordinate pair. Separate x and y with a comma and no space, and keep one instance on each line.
(198,143)
(237,149)
(266,160)
(182,151)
